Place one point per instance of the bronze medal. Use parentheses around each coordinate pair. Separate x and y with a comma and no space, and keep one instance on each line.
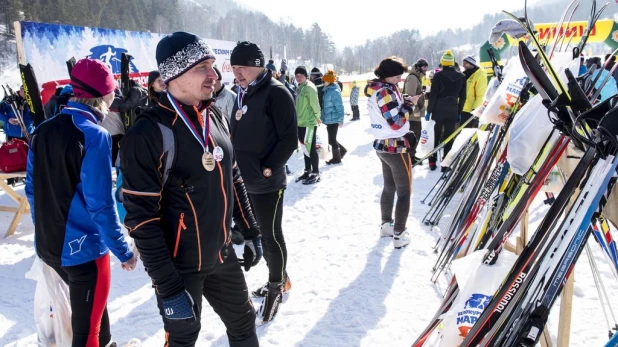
(208,161)
(238,114)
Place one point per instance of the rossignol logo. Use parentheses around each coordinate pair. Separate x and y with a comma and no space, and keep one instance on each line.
(512,291)
(490,258)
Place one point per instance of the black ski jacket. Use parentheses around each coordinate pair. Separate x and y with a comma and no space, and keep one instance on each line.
(266,135)
(184,225)
(448,94)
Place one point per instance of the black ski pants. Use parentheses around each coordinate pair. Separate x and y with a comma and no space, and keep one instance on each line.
(306,136)
(443,129)
(355,112)
(89,285)
(332,130)
(225,289)
(268,211)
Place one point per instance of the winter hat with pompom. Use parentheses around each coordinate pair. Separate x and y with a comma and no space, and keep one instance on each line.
(330,77)
(92,79)
(448,59)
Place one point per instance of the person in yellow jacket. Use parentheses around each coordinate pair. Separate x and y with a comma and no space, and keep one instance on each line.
(308,112)
(476,85)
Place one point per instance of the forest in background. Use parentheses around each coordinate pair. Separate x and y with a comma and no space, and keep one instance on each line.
(226,20)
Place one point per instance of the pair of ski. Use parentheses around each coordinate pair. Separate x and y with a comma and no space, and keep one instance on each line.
(491,328)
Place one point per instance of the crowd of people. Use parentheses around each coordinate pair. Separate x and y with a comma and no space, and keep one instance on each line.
(232,175)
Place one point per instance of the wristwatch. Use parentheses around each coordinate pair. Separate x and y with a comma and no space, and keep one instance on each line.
(267,172)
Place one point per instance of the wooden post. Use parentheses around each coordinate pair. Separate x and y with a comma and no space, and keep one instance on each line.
(21,56)
(566,309)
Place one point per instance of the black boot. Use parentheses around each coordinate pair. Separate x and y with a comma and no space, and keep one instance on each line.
(303,177)
(336,157)
(270,305)
(342,151)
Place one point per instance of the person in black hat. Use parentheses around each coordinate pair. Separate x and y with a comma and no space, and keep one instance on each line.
(156,86)
(264,136)
(180,210)
(224,97)
(316,78)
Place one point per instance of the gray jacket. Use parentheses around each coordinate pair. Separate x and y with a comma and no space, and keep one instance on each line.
(224,100)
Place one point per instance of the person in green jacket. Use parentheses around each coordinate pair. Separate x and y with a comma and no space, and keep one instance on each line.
(476,85)
(308,112)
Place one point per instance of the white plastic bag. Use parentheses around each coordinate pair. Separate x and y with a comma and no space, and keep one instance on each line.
(322,146)
(528,133)
(478,283)
(52,307)
(497,109)
(464,136)
(426,142)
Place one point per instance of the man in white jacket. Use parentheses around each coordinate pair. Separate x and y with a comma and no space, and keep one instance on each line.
(224,98)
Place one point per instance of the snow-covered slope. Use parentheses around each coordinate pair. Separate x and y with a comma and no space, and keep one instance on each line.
(350,288)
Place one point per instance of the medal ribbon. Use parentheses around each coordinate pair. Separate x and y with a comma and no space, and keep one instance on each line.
(201,138)
(240,98)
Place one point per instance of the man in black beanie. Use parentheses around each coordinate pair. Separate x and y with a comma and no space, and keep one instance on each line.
(180,205)
(264,137)
(316,78)
(224,98)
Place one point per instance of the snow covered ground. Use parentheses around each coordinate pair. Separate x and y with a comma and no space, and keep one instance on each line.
(350,288)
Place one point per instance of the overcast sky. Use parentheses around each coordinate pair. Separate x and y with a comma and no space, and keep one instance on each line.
(353,22)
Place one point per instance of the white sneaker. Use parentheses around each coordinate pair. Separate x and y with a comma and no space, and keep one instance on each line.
(401,239)
(387,229)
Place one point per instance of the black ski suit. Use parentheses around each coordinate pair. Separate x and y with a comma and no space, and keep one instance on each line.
(265,138)
(446,102)
(182,228)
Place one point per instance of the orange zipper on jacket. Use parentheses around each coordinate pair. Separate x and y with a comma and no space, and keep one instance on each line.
(181,227)
(197,232)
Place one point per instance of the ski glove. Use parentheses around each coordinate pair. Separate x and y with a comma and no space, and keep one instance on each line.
(428,116)
(179,307)
(252,254)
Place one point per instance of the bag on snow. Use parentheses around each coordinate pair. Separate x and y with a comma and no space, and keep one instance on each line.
(478,283)
(52,307)
(426,142)
(13,156)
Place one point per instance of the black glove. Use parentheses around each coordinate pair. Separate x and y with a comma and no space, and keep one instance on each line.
(180,307)
(252,254)
(411,139)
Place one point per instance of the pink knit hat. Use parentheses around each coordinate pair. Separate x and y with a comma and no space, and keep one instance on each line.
(92,79)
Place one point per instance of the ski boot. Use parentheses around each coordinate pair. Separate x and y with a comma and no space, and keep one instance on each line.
(303,177)
(313,178)
(270,305)
(401,239)
(386,230)
(432,166)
